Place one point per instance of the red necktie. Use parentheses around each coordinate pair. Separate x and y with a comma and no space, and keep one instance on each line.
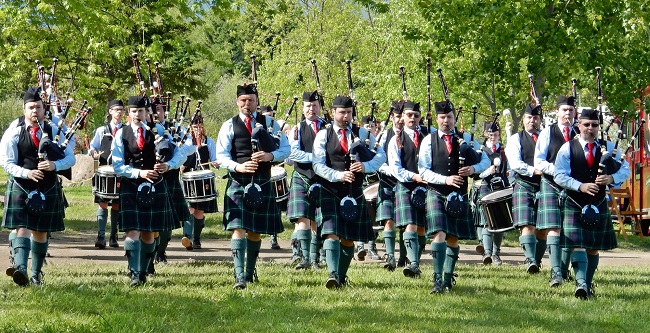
(33,131)
(535,136)
(248,124)
(344,140)
(416,138)
(315,123)
(566,134)
(494,148)
(590,154)
(140,140)
(114,130)
(448,141)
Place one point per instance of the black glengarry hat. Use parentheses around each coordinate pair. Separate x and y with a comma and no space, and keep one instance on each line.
(589,114)
(246,89)
(310,96)
(138,102)
(443,107)
(566,100)
(533,110)
(32,95)
(411,106)
(341,101)
(115,102)
(266,108)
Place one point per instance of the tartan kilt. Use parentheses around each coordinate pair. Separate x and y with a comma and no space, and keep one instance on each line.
(331,223)
(209,206)
(476,194)
(524,205)
(176,196)
(405,213)
(15,214)
(298,204)
(159,217)
(263,220)
(385,200)
(549,215)
(573,235)
(438,220)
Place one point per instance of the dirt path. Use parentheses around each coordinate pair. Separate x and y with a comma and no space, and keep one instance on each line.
(80,249)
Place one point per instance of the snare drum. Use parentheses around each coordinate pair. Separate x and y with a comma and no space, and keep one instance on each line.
(106,184)
(199,186)
(280,184)
(370,193)
(497,209)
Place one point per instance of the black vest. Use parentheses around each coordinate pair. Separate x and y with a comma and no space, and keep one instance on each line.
(28,158)
(528,155)
(242,148)
(445,164)
(390,133)
(105,145)
(503,167)
(583,173)
(307,137)
(556,140)
(409,154)
(144,159)
(204,157)
(337,160)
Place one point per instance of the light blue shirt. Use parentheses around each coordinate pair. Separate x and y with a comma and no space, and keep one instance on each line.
(100,132)
(124,170)
(320,153)
(424,162)
(9,150)
(515,156)
(541,149)
(226,135)
(563,167)
(298,155)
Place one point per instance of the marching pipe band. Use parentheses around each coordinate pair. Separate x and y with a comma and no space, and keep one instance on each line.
(155,174)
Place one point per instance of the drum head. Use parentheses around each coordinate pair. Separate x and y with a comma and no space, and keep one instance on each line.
(497,196)
(199,174)
(370,192)
(106,170)
(278,173)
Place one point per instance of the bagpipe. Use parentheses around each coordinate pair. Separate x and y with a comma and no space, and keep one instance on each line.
(265,138)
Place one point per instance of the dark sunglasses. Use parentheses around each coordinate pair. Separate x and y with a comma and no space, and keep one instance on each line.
(590,124)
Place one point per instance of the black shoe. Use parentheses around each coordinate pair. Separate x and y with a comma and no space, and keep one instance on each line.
(187,243)
(315,266)
(372,251)
(532,267)
(20,278)
(112,241)
(556,280)
(333,281)
(438,288)
(197,244)
(412,271)
(344,281)
(240,282)
(137,279)
(295,259)
(449,279)
(161,258)
(10,270)
(361,253)
(274,242)
(390,263)
(487,259)
(496,260)
(304,264)
(252,278)
(151,269)
(581,291)
(37,279)
(100,242)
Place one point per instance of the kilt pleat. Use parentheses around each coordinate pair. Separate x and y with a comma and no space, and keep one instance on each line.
(262,220)
(405,213)
(331,223)
(438,220)
(298,204)
(175,189)
(15,214)
(574,235)
(524,205)
(477,194)
(159,217)
(549,215)
(385,200)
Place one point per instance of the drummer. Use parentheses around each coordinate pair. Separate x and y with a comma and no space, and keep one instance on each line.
(205,156)
(492,179)
(100,148)
(403,155)
(142,214)
(370,125)
(301,211)
(520,152)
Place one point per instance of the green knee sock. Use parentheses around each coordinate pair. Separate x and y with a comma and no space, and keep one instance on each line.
(438,251)
(252,252)
(554,254)
(188,227)
(199,224)
(422,241)
(529,243)
(488,239)
(313,249)
(579,262)
(238,247)
(412,246)
(146,253)
(12,236)
(450,264)
(345,258)
(304,237)
(102,217)
(566,261)
(540,249)
(332,254)
(592,265)
(132,248)
(22,247)
(165,237)
(389,242)
(497,238)
(402,247)
(39,250)
(115,220)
